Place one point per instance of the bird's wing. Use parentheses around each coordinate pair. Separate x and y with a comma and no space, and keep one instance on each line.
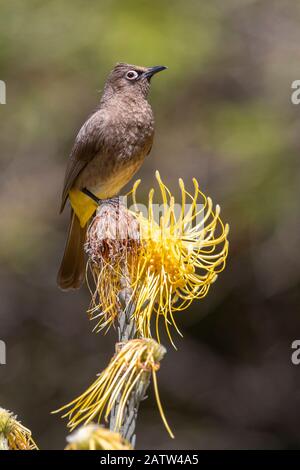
(86,146)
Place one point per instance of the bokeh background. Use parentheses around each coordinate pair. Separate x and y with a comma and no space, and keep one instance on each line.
(223,115)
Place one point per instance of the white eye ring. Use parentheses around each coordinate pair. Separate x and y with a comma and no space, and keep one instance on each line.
(132,75)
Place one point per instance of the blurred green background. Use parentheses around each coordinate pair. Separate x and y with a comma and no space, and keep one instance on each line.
(223,115)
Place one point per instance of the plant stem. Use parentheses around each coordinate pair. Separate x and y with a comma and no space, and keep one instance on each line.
(126,332)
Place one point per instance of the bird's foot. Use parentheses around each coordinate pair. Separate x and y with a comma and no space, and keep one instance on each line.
(113,200)
(89,193)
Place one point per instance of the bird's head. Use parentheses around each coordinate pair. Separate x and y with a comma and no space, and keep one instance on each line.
(131,79)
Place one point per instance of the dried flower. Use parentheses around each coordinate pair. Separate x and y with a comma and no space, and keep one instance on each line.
(133,364)
(113,240)
(13,435)
(95,437)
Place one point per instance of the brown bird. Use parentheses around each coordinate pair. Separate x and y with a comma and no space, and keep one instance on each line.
(109,148)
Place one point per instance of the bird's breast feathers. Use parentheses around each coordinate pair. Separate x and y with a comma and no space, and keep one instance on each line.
(103,188)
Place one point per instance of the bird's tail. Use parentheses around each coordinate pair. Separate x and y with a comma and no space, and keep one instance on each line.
(72,269)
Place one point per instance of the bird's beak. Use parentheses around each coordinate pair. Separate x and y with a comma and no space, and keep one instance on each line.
(153,70)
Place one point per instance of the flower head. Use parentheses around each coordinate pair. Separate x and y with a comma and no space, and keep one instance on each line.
(13,433)
(95,437)
(128,371)
(169,257)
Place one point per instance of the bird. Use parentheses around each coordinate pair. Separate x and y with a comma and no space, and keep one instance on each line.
(108,150)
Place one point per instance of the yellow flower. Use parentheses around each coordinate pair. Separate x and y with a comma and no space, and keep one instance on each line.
(131,368)
(95,437)
(180,257)
(168,257)
(13,435)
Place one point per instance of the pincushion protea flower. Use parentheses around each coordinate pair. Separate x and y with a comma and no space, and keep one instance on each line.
(133,364)
(95,437)
(171,262)
(13,435)
(180,257)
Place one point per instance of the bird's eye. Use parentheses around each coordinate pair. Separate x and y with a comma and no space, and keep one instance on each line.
(132,75)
